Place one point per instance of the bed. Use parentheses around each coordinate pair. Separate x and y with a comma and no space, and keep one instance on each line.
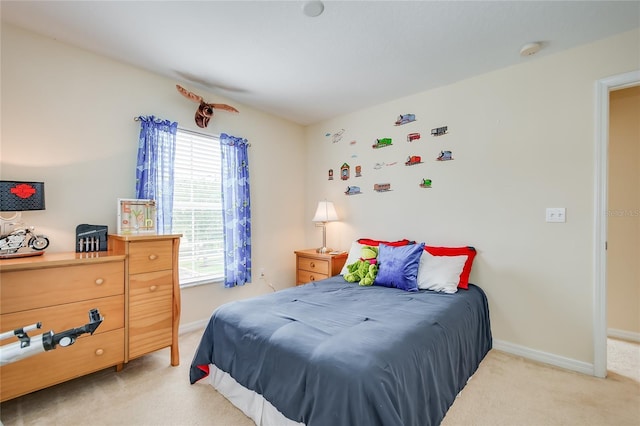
(336,353)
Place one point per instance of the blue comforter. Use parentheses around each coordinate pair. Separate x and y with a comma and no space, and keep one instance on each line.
(335,353)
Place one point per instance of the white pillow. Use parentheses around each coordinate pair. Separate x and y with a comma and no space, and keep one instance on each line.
(440,273)
(355,253)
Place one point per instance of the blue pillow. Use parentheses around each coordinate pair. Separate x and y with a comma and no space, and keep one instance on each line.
(398,266)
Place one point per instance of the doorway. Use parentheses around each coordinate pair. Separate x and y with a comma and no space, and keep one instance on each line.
(603,89)
(623,234)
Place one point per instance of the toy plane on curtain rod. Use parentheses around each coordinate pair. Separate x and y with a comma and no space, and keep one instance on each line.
(205,111)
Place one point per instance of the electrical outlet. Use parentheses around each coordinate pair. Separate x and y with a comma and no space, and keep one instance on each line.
(556,214)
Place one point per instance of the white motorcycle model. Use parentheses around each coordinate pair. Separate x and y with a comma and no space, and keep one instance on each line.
(23,237)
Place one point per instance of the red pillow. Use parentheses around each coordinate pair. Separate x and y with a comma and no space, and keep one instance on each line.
(457,251)
(376,243)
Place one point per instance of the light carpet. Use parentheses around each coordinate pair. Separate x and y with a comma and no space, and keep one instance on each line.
(506,390)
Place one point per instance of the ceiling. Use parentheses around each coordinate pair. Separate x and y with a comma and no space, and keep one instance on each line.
(271,56)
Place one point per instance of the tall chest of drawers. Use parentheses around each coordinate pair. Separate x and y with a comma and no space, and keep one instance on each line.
(58,290)
(151,276)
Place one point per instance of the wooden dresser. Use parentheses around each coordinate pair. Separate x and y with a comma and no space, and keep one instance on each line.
(313,266)
(58,290)
(151,277)
(135,287)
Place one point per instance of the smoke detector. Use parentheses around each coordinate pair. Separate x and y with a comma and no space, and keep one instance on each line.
(530,49)
(313,8)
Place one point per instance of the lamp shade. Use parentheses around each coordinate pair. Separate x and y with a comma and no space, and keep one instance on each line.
(325,212)
(18,196)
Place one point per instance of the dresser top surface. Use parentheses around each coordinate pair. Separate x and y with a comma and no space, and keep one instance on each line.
(314,253)
(144,237)
(49,260)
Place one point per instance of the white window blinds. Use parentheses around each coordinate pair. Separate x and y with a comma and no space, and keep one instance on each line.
(197,207)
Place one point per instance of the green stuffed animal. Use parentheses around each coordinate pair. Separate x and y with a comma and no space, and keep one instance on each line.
(370,276)
(365,269)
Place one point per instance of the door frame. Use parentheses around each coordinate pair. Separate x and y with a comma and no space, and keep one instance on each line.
(603,87)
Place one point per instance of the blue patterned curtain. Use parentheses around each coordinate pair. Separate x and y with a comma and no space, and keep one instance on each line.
(154,171)
(236,210)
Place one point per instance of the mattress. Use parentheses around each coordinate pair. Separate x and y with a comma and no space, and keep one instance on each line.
(331,352)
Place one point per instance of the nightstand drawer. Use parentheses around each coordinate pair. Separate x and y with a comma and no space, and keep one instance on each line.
(314,265)
(307,277)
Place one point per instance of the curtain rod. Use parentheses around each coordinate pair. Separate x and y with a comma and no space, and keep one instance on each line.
(193,131)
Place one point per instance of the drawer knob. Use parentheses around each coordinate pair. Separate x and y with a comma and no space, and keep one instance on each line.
(312,278)
(153,288)
(99,352)
(153,257)
(312,264)
(99,281)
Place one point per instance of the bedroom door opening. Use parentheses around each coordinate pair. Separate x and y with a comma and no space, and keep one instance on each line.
(623,234)
(603,89)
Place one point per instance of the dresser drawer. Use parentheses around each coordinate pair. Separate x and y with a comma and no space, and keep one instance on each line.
(148,256)
(150,312)
(307,277)
(64,317)
(143,340)
(143,287)
(38,288)
(88,354)
(314,265)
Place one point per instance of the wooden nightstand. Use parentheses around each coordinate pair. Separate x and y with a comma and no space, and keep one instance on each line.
(313,266)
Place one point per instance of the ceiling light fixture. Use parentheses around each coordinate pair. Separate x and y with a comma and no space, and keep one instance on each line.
(530,49)
(313,8)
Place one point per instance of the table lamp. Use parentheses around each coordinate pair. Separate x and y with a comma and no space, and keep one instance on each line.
(325,212)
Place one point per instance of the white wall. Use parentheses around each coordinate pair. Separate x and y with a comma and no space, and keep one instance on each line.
(523,140)
(67,119)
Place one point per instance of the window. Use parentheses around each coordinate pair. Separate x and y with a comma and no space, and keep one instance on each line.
(197,208)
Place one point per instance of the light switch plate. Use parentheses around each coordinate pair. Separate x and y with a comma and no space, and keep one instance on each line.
(556,214)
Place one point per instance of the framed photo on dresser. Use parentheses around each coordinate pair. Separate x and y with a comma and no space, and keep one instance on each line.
(136,216)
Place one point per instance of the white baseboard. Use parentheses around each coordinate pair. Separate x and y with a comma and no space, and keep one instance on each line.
(544,357)
(624,335)
(193,326)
